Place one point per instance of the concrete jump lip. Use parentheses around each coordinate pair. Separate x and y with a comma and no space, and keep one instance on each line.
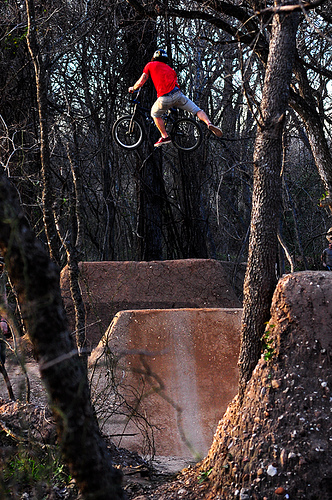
(185,362)
(109,287)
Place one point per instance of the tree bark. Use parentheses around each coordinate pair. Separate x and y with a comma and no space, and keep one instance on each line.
(150,212)
(36,281)
(41,91)
(260,279)
(74,247)
(304,104)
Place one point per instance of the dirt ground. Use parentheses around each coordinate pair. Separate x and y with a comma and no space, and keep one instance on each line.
(277,444)
(139,475)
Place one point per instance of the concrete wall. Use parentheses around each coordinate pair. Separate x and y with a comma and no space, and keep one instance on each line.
(182,363)
(109,287)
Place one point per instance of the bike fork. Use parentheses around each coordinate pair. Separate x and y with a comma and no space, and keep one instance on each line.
(131,125)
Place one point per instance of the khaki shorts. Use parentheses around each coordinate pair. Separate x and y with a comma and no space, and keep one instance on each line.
(176,100)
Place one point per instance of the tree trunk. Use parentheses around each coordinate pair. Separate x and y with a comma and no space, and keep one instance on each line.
(36,281)
(193,227)
(74,253)
(4,331)
(41,90)
(150,212)
(305,105)
(260,279)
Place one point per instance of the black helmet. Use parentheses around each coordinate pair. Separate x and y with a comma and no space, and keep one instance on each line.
(160,54)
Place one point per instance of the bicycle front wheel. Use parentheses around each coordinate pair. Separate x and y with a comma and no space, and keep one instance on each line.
(186,134)
(127,132)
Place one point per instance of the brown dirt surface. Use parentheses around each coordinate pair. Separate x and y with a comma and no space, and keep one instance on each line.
(110,287)
(277,444)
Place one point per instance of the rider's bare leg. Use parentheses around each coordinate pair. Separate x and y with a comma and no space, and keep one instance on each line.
(160,124)
(204,118)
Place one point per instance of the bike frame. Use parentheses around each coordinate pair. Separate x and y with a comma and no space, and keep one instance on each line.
(170,115)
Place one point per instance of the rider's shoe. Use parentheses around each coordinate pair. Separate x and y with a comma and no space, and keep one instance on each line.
(162,141)
(216,130)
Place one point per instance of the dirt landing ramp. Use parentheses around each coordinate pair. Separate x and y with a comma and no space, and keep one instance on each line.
(173,371)
(110,287)
(283,427)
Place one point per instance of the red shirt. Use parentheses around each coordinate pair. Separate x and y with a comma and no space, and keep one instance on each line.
(163,76)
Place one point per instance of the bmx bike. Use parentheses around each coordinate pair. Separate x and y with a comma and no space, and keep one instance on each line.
(129,130)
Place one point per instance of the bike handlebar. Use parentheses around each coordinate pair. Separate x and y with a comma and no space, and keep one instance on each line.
(135,94)
(136,91)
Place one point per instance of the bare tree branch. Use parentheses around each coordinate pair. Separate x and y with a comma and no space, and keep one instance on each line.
(291,8)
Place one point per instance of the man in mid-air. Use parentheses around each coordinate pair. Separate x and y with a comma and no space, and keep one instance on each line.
(169,95)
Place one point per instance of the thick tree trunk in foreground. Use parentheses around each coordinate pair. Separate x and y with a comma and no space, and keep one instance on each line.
(36,281)
(260,279)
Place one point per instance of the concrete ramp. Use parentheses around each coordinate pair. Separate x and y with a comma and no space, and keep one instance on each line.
(175,371)
(110,287)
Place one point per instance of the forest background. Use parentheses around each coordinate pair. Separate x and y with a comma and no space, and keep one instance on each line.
(169,205)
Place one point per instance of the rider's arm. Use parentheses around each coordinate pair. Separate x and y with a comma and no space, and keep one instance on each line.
(140,82)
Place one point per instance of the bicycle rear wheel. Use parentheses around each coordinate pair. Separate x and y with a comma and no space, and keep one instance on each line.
(186,134)
(127,132)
